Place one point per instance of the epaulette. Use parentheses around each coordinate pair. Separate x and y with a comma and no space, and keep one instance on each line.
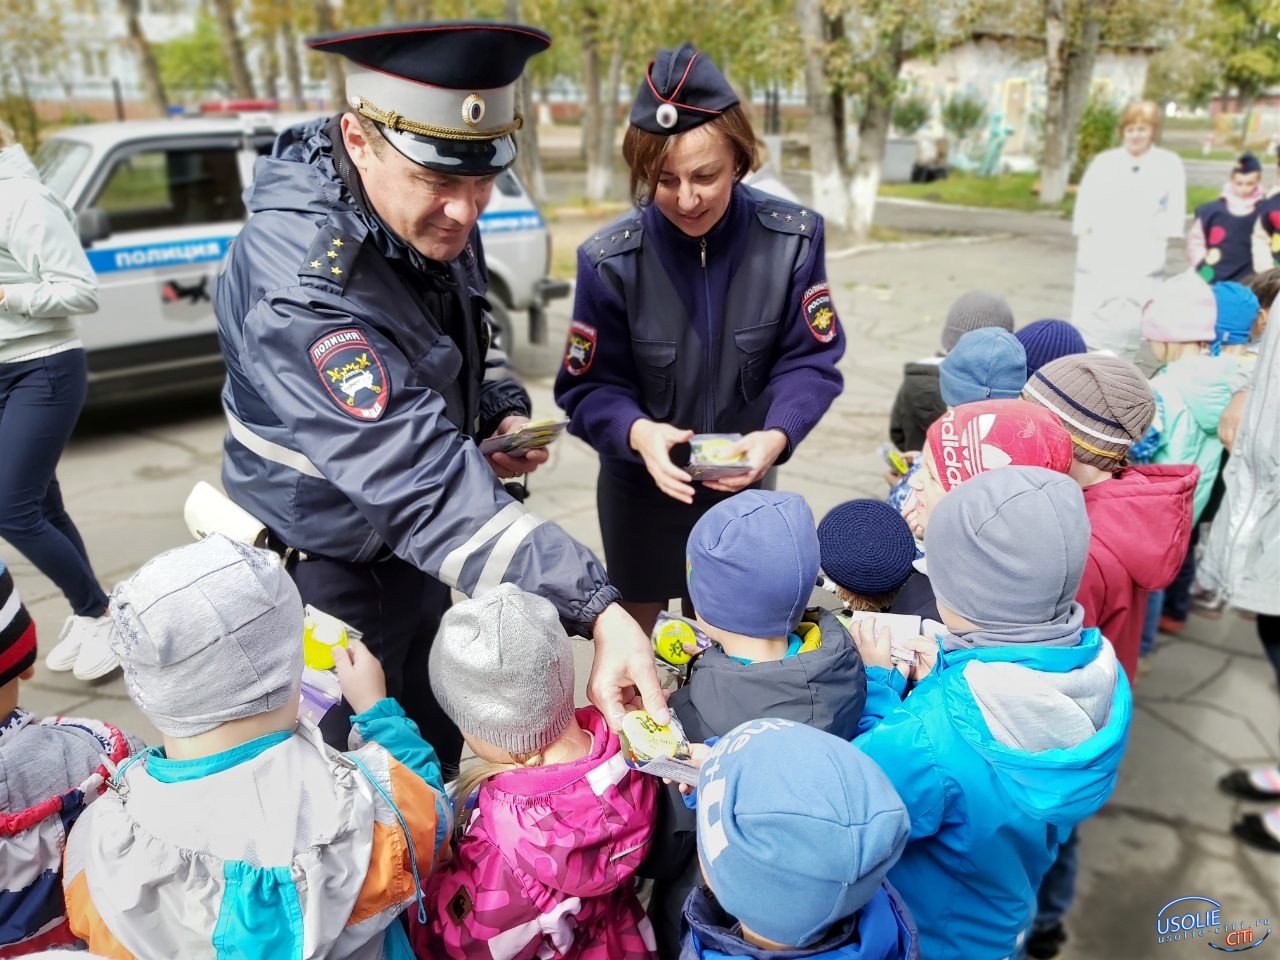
(618,237)
(333,252)
(784,216)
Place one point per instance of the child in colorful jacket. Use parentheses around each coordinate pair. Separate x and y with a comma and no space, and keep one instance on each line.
(245,834)
(553,823)
(1220,242)
(50,771)
(1018,719)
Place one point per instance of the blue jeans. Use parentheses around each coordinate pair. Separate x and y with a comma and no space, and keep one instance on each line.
(40,401)
(1058,888)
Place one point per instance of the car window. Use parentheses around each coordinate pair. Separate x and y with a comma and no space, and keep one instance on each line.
(508,185)
(174,187)
(59,162)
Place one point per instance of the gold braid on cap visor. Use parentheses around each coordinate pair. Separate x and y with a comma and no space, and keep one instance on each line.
(396,122)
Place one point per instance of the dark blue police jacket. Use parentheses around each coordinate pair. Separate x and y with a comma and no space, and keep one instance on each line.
(357,382)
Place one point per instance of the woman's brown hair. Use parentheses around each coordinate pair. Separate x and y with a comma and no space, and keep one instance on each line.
(644,151)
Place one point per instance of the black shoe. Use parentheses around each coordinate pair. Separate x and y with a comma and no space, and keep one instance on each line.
(1237,784)
(1251,830)
(1045,944)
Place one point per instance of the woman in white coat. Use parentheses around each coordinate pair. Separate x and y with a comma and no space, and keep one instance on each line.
(1132,200)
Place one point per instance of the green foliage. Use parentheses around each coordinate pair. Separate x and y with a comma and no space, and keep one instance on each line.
(194,63)
(962,114)
(910,113)
(1099,128)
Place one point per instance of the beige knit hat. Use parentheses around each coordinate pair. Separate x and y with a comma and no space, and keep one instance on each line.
(1105,403)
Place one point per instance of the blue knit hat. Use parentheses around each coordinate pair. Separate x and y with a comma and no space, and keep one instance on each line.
(1237,310)
(753,563)
(1048,340)
(866,547)
(986,364)
(796,829)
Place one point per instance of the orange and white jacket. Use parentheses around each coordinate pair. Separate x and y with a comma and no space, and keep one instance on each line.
(279,848)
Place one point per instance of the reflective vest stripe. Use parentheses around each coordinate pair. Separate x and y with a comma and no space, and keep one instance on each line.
(504,550)
(451,567)
(268,450)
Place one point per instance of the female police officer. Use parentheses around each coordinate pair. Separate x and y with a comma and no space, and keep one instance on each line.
(350,313)
(708,311)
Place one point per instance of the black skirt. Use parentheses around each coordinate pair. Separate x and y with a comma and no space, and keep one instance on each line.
(645,533)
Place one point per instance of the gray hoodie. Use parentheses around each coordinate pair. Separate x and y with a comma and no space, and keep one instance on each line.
(44,272)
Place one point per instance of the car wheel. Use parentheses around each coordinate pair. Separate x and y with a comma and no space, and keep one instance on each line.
(502,324)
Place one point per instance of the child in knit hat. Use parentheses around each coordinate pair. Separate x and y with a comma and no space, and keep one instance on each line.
(796,832)
(962,444)
(986,364)
(1220,242)
(919,400)
(244,832)
(1018,719)
(558,822)
(1046,340)
(752,566)
(1140,523)
(867,549)
(50,771)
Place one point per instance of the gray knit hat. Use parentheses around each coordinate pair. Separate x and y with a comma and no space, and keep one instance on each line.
(973,311)
(208,633)
(502,669)
(1105,403)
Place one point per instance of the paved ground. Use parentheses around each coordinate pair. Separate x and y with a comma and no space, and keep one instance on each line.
(1208,704)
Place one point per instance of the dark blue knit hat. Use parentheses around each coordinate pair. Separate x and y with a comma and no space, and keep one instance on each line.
(1247,163)
(1047,340)
(866,547)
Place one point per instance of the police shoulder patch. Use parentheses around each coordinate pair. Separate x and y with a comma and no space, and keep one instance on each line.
(580,351)
(332,254)
(618,237)
(820,313)
(352,373)
(784,217)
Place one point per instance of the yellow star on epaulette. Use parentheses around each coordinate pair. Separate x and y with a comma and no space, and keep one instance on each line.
(333,254)
(337,242)
(335,270)
(315,264)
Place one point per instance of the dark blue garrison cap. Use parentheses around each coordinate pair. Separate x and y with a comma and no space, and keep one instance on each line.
(682,89)
(443,94)
(1248,163)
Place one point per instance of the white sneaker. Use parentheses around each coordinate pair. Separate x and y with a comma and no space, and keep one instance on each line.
(63,656)
(96,658)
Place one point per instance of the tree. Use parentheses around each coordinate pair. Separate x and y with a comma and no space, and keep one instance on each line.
(1241,37)
(146,57)
(233,49)
(1054,169)
(528,161)
(194,64)
(33,43)
(830,196)
(961,115)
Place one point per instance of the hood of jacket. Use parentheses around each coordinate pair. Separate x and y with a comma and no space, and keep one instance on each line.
(1202,383)
(564,827)
(825,687)
(881,930)
(1051,721)
(1146,498)
(16,164)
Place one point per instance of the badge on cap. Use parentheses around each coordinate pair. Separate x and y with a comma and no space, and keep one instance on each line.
(352,373)
(666,116)
(473,109)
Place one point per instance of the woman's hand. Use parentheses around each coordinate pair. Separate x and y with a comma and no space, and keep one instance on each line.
(763,448)
(623,673)
(653,441)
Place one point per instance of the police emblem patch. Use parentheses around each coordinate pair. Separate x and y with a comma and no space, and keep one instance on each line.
(352,373)
(581,349)
(819,313)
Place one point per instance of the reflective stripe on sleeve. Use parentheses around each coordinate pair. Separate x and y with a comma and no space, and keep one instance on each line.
(504,550)
(451,567)
(268,450)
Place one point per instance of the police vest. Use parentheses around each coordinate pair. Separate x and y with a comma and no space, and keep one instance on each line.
(1228,243)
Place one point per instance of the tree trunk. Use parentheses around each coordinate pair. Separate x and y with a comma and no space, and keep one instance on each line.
(873,135)
(292,64)
(1053,167)
(241,81)
(608,124)
(270,62)
(830,198)
(146,58)
(334,73)
(418,11)
(1080,62)
(593,111)
(528,160)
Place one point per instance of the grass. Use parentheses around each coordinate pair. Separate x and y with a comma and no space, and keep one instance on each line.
(1009,191)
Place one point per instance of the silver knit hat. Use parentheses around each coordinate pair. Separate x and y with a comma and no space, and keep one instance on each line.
(502,669)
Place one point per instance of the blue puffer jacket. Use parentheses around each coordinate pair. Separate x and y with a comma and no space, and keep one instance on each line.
(881,930)
(997,755)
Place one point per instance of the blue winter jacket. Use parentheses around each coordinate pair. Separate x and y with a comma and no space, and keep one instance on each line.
(881,930)
(989,803)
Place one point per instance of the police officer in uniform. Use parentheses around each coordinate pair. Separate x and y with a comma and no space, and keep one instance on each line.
(360,370)
(705,312)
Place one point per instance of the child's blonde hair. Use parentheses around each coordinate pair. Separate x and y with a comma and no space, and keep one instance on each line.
(865,603)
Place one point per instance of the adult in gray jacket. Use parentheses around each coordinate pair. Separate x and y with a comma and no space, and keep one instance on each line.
(45,279)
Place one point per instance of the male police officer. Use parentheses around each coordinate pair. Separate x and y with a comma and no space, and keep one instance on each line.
(351,315)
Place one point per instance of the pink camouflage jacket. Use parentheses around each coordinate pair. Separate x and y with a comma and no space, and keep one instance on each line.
(546,864)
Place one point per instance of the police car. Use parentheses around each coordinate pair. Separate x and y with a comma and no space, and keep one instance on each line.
(159,203)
